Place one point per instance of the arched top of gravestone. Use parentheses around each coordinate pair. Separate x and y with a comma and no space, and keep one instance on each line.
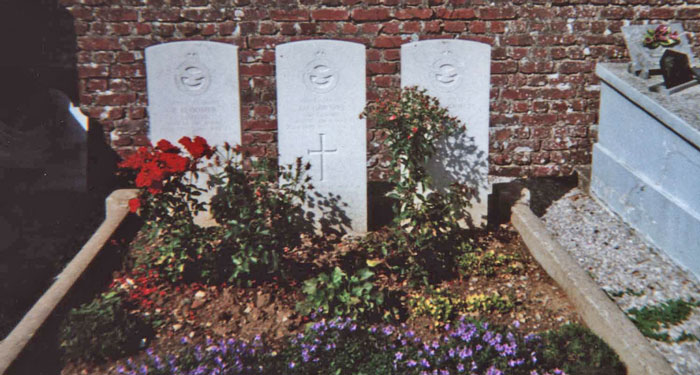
(447,65)
(323,63)
(192,64)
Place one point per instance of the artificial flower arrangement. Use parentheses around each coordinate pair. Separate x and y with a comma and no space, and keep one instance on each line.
(661,36)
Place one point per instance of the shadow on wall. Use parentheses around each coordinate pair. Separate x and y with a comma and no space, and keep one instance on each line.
(44,143)
(543,192)
(46,212)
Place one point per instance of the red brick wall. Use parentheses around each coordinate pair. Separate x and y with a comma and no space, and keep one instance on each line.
(544,96)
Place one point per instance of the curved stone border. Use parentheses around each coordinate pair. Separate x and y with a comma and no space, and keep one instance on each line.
(601,314)
(117,208)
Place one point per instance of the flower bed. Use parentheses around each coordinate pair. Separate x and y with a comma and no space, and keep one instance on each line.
(413,297)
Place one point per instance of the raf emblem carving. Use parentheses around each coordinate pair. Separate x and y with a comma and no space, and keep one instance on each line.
(445,72)
(192,77)
(320,75)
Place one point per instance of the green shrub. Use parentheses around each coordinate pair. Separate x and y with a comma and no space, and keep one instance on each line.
(428,221)
(258,209)
(576,350)
(338,294)
(102,329)
(260,212)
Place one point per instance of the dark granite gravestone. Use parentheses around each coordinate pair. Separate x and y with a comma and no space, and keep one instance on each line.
(675,68)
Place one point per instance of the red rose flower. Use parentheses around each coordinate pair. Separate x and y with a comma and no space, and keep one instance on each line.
(149,173)
(197,148)
(173,163)
(165,146)
(134,205)
(137,159)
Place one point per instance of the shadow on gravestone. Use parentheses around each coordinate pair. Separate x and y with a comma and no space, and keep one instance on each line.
(320,93)
(458,158)
(457,73)
(330,210)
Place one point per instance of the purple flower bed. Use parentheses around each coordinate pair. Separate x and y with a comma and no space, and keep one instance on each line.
(339,346)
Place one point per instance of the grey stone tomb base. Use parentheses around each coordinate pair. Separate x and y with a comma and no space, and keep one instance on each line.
(646,163)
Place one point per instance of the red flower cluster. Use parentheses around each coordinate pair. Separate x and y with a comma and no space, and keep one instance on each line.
(197,148)
(134,204)
(156,165)
(140,289)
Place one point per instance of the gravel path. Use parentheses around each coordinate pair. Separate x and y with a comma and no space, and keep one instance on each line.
(620,261)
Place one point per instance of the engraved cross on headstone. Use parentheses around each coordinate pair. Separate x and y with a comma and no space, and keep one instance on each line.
(320,153)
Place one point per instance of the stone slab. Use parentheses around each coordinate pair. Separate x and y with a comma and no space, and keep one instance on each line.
(193,91)
(320,95)
(646,59)
(650,148)
(457,72)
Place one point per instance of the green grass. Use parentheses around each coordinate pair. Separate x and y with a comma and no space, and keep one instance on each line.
(652,319)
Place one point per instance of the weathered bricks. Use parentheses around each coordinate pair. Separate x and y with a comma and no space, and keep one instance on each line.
(544,101)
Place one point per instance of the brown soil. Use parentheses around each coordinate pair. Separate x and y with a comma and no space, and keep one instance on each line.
(268,310)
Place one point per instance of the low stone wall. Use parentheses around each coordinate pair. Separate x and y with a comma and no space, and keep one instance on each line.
(601,314)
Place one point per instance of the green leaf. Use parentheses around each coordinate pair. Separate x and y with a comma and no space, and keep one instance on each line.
(337,275)
(365,274)
(344,297)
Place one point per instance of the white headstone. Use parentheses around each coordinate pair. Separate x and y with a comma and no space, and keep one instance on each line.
(457,72)
(320,95)
(193,91)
